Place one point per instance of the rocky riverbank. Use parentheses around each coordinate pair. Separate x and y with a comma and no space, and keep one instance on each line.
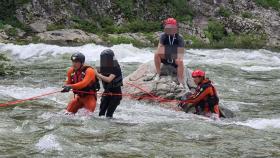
(208,24)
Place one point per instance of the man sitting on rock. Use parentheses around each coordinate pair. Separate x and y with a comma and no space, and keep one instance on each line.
(170,50)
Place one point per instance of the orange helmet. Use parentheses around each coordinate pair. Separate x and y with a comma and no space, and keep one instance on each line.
(198,73)
(170,22)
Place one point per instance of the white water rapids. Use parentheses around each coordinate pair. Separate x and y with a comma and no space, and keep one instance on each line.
(248,82)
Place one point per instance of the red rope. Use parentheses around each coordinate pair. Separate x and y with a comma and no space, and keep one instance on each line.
(28,99)
(160,99)
(133,96)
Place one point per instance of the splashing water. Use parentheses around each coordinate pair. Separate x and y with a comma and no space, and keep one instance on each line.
(247,82)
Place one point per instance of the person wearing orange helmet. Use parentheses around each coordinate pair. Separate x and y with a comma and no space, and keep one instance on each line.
(170,50)
(205,99)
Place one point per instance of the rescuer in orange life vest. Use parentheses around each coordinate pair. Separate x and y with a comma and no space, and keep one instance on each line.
(205,99)
(81,78)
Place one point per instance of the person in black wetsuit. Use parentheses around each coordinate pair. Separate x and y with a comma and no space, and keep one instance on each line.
(112,80)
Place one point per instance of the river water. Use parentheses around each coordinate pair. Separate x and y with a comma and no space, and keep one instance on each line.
(248,83)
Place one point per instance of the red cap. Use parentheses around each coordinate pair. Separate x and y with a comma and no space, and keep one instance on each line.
(170,22)
(198,73)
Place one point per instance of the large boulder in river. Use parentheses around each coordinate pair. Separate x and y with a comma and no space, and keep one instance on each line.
(141,83)
(142,86)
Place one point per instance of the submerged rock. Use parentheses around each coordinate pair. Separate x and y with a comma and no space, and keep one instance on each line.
(6,68)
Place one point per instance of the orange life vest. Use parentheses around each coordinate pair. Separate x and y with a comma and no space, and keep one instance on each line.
(209,101)
(78,76)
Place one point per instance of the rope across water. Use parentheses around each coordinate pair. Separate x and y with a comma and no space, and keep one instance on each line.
(132,96)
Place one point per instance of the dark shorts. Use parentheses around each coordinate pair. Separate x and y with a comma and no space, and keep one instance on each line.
(165,62)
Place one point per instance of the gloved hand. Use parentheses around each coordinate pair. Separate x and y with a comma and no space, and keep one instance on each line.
(186,106)
(66,89)
(183,98)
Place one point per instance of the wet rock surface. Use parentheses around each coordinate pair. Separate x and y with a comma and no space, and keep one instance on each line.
(164,91)
(166,87)
(68,36)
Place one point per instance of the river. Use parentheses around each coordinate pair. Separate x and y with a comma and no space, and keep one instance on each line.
(248,83)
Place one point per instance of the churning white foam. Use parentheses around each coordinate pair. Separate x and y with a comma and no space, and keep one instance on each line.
(48,143)
(259,68)
(139,112)
(248,60)
(24,92)
(261,123)
(123,52)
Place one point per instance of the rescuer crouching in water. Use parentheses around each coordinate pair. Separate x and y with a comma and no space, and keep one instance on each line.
(205,99)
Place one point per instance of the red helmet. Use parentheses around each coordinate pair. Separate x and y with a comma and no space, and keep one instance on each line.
(198,73)
(170,21)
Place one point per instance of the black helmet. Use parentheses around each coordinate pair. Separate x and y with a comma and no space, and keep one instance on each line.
(107,56)
(108,53)
(78,57)
(107,61)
